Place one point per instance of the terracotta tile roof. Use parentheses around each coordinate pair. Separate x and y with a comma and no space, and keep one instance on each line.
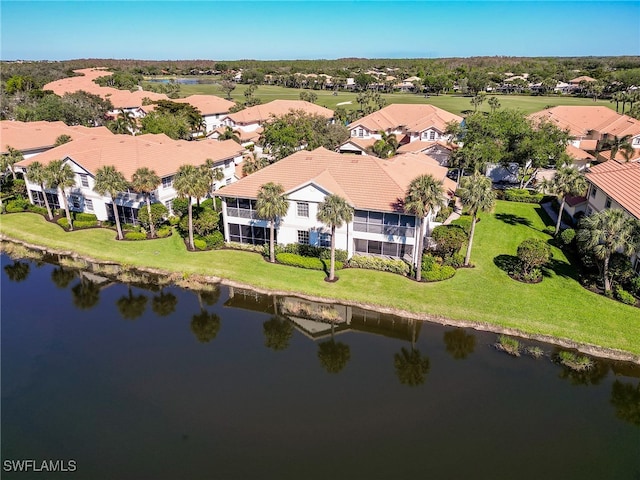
(366,182)
(589,145)
(207,104)
(580,120)
(578,153)
(128,153)
(582,78)
(606,155)
(620,181)
(27,136)
(361,143)
(412,118)
(420,145)
(262,113)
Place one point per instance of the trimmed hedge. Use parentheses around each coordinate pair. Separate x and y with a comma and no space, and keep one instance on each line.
(382,264)
(37,209)
(163,232)
(63,223)
(135,236)
(307,251)
(464,222)
(522,195)
(438,273)
(17,205)
(310,263)
(567,235)
(624,296)
(84,217)
(214,240)
(200,244)
(85,223)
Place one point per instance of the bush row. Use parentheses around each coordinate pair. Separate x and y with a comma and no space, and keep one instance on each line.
(382,264)
(311,263)
(522,195)
(307,251)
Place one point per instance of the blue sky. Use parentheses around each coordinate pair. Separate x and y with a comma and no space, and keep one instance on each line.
(283,30)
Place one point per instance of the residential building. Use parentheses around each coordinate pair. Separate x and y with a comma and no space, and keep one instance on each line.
(213,109)
(615,185)
(374,187)
(127,153)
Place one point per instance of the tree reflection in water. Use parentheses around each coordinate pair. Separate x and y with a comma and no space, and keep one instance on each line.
(164,304)
(411,366)
(132,306)
(205,326)
(18,271)
(277,333)
(626,400)
(459,343)
(86,294)
(333,355)
(62,277)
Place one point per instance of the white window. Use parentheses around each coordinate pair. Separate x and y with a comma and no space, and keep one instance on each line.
(88,204)
(84,180)
(432,135)
(167,182)
(324,240)
(361,132)
(607,204)
(303,209)
(169,205)
(303,237)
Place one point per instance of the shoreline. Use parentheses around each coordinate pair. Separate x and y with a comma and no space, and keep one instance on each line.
(585,348)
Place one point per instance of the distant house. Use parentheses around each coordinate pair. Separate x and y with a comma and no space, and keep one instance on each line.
(32,138)
(374,187)
(213,109)
(127,153)
(410,123)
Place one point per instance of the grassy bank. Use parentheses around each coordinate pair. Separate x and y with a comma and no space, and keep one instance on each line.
(558,306)
(453,103)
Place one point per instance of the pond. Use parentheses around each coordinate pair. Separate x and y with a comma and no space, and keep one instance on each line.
(183,81)
(137,381)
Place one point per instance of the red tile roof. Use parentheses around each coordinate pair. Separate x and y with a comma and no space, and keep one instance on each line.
(419,146)
(128,153)
(262,113)
(580,120)
(620,181)
(365,181)
(27,136)
(207,104)
(412,118)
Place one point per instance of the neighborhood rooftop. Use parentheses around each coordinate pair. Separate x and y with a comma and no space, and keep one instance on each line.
(262,113)
(414,118)
(620,181)
(580,120)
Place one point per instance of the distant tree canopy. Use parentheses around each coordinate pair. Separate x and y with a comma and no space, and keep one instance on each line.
(120,80)
(297,130)
(78,108)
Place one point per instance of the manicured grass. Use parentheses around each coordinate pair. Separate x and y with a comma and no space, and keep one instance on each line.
(453,103)
(558,306)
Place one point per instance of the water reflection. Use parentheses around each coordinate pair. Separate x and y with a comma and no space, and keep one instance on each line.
(277,333)
(460,343)
(626,400)
(205,326)
(132,306)
(86,293)
(411,366)
(62,277)
(333,355)
(164,304)
(18,271)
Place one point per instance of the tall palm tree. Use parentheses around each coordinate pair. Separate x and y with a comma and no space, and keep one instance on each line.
(387,145)
(146,181)
(215,174)
(36,173)
(334,212)
(191,182)
(567,181)
(60,175)
(605,233)
(475,194)
(229,134)
(423,196)
(271,205)
(621,144)
(110,181)
(10,158)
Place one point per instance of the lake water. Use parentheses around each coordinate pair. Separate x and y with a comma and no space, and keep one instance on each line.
(143,383)
(183,81)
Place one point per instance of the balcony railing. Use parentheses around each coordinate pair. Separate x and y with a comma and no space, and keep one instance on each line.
(241,213)
(384,229)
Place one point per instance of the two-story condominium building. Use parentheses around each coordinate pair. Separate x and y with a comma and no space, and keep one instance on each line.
(374,187)
(409,123)
(127,154)
(615,185)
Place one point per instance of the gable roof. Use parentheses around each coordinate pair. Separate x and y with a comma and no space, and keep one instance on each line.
(366,182)
(420,145)
(127,153)
(580,120)
(620,181)
(263,112)
(413,118)
(207,104)
(28,136)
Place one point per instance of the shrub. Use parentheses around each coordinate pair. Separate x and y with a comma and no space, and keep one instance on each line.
(428,261)
(214,240)
(456,260)
(623,296)
(381,264)
(200,244)
(449,238)
(438,273)
(634,285)
(567,235)
(549,230)
(533,253)
(163,232)
(85,223)
(575,362)
(248,247)
(208,203)
(85,217)
(63,223)
(158,214)
(340,255)
(174,220)
(17,205)
(131,227)
(135,236)
(522,195)
(180,206)
(311,263)
(509,345)
(37,209)
(443,214)
(464,222)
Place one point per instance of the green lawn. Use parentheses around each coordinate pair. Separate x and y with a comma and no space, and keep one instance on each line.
(558,306)
(452,103)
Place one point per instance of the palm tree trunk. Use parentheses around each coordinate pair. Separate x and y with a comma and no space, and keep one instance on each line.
(272,248)
(66,208)
(191,225)
(419,260)
(605,274)
(115,214)
(151,225)
(559,216)
(467,257)
(46,202)
(332,267)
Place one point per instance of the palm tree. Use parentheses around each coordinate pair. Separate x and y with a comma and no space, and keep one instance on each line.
(124,123)
(567,181)
(60,175)
(423,196)
(191,182)
(216,174)
(110,181)
(253,163)
(10,158)
(271,205)
(387,145)
(618,97)
(475,194)
(333,212)
(146,181)
(36,173)
(605,233)
(494,103)
(229,134)
(620,144)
